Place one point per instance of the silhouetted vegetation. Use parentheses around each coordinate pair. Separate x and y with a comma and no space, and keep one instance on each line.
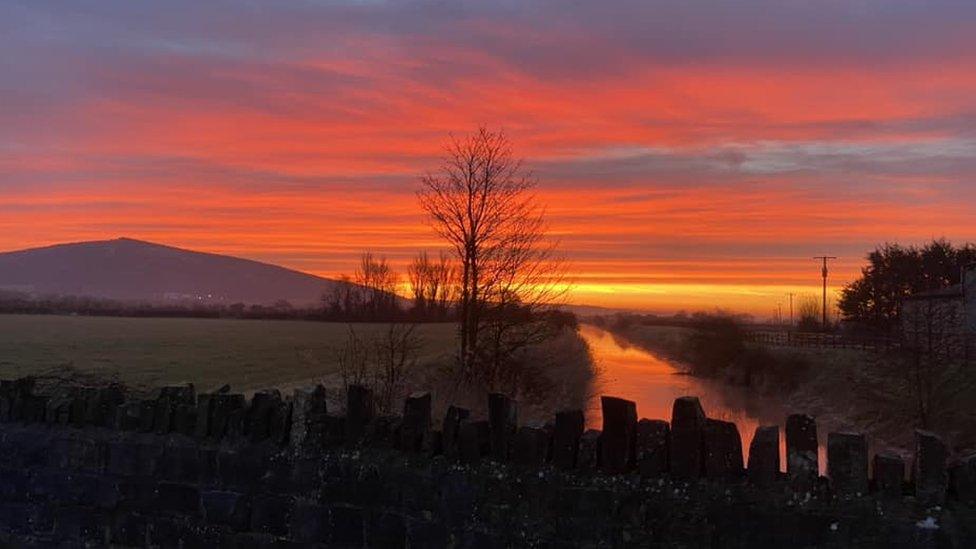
(895,272)
(713,345)
(480,202)
(433,284)
(809,317)
(380,360)
(369,296)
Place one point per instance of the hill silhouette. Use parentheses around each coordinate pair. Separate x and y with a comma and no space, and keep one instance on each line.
(133,270)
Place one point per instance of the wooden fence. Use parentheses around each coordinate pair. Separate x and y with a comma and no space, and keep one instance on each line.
(783,338)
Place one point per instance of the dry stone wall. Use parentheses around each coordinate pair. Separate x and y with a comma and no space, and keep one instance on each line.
(92,467)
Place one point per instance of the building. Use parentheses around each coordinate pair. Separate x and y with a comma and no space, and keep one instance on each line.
(942,320)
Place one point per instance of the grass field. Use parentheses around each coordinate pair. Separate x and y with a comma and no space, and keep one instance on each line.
(146,352)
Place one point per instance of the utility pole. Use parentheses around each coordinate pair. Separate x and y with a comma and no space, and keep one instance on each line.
(790,295)
(824,258)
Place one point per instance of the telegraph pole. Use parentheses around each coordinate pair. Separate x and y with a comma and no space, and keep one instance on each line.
(790,295)
(824,258)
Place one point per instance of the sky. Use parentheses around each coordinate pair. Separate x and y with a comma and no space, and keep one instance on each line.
(691,155)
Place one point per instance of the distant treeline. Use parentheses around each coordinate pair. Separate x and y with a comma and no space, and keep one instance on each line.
(681,319)
(395,309)
(19,303)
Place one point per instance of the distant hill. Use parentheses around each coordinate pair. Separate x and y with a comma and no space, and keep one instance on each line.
(132,270)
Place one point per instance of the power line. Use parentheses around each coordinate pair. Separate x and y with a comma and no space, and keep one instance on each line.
(790,295)
(824,258)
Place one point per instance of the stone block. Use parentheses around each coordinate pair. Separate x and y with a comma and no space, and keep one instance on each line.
(566,436)
(12,395)
(307,413)
(723,450)
(383,432)
(204,416)
(435,444)
(147,416)
(180,394)
(128,416)
(76,526)
(84,398)
(531,447)
(280,423)
(310,523)
(181,462)
(34,408)
(503,419)
(618,442)
(131,458)
(179,499)
(415,429)
(229,509)
(107,401)
(929,471)
(847,463)
(802,459)
(226,415)
(588,455)
(257,418)
(334,430)
(889,475)
(687,438)
(163,416)
(360,410)
(453,419)
(652,447)
(473,441)
(387,530)
(271,514)
(185,419)
(764,462)
(962,479)
(235,424)
(59,409)
(348,527)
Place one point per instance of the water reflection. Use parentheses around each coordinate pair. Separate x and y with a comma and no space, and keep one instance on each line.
(653,383)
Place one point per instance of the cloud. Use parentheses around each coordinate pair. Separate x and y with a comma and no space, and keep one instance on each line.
(667,136)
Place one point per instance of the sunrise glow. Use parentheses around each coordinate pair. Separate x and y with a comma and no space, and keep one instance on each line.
(690,158)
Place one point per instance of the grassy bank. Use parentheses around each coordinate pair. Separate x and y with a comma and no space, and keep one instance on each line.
(845,389)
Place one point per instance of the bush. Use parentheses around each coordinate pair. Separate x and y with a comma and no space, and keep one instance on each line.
(715,343)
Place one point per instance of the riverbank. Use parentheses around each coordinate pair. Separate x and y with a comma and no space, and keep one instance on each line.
(846,389)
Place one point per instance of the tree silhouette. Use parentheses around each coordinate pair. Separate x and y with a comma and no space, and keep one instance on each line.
(480,201)
(895,272)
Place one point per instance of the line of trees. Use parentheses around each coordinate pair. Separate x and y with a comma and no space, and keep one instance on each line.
(372,293)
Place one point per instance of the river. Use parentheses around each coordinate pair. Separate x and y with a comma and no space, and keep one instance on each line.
(629,372)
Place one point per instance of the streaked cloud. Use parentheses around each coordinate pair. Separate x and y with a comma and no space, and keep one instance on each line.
(690,152)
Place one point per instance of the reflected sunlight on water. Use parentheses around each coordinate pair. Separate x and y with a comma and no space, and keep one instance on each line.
(654,383)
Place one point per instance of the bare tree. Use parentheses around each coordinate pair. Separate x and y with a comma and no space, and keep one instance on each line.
(432,285)
(353,360)
(395,354)
(378,282)
(343,300)
(481,202)
(380,360)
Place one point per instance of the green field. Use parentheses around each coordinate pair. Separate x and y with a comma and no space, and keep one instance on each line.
(147,352)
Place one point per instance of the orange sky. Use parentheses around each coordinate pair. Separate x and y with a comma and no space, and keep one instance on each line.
(690,156)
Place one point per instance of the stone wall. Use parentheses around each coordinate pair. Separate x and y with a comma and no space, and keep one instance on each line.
(87,466)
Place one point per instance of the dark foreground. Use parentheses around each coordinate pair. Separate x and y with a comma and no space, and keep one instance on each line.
(89,468)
